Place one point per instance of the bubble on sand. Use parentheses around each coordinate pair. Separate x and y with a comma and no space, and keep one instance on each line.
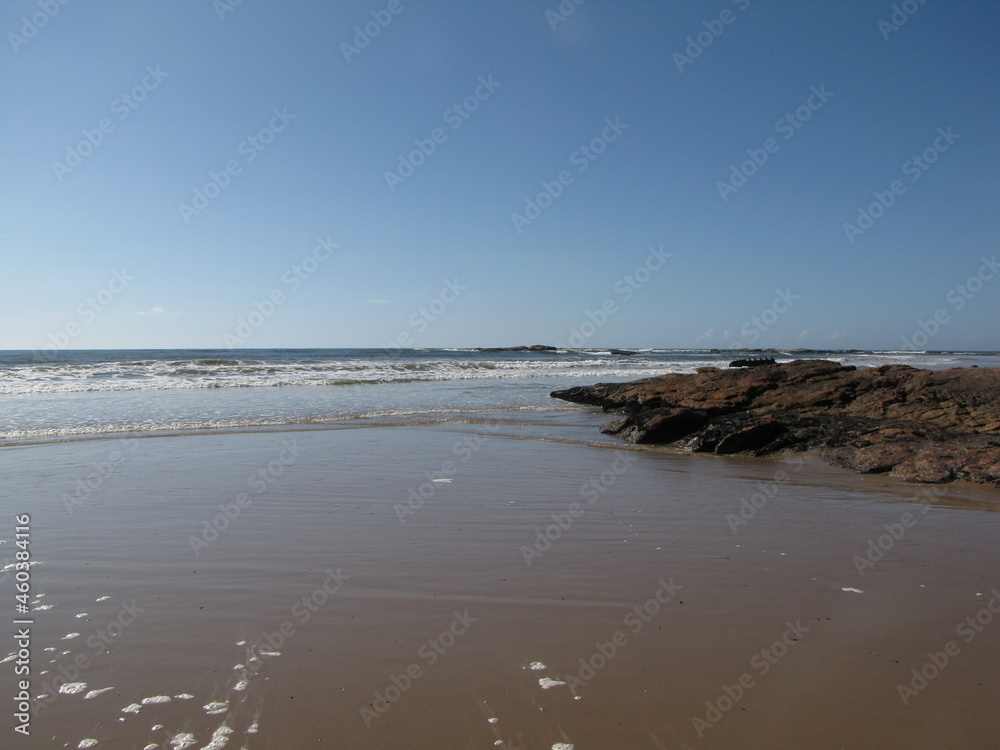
(81,614)
(182,741)
(270,653)
(536,665)
(156,728)
(253,728)
(241,643)
(493,720)
(71,688)
(132,708)
(86,743)
(156,699)
(42,607)
(220,738)
(9,657)
(184,697)
(152,746)
(216,707)
(562,746)
(95,693)
(102,599)
(241,685)
(548,682)
(70,636)
(851,589)
(441,480)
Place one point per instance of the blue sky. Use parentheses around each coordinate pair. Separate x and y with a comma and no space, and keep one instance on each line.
(312,116)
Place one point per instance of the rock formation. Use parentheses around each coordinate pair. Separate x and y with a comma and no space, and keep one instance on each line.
(920,425)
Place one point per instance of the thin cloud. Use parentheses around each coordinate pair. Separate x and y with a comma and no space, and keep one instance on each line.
(153,311)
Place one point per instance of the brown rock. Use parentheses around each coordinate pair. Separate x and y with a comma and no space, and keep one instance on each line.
(923,425)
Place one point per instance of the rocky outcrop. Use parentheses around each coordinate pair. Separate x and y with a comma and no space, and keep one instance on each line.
(920,425)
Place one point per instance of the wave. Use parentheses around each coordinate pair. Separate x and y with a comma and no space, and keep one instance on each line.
(148,375)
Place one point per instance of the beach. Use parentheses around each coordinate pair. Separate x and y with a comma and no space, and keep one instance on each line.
(506,578)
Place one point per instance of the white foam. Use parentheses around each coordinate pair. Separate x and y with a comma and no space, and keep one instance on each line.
(70,636)
(216,707)
(71,688)
(156,728)
(132,708)
(184,697)
(253,728)
(493,720)
(95,693)
(270,653)
(86,743)
(102,599)
(220,738)
(548,682)
(851,589)
(536,666)
(241,685)
(42,607)
(182,741)
(562,746)
(156,699)
(9,657)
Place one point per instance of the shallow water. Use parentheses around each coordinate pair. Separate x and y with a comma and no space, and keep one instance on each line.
(163,607)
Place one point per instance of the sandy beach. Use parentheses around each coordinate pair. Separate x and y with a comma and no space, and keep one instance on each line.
(497,582)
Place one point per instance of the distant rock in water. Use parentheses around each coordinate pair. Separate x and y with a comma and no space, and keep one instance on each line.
(752,362)
(622,352)
(920,425)
(532,348)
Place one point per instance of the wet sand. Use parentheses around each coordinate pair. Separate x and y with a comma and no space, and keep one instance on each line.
(330,611)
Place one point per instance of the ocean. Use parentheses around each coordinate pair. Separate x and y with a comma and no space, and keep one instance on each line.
(74,393)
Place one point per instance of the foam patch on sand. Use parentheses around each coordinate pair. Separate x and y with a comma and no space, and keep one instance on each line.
(536,666)
(548,682)
(156,699)
(86,743)
(182,741)
(95,693)
(71,688)
(216,707)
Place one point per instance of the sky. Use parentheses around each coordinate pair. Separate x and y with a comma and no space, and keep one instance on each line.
(669,174)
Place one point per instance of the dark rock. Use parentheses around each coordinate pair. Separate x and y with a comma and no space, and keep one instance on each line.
(657,425)
(921,425)
(532,348)
(752,438)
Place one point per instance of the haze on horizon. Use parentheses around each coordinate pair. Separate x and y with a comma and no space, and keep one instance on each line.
(715,174)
